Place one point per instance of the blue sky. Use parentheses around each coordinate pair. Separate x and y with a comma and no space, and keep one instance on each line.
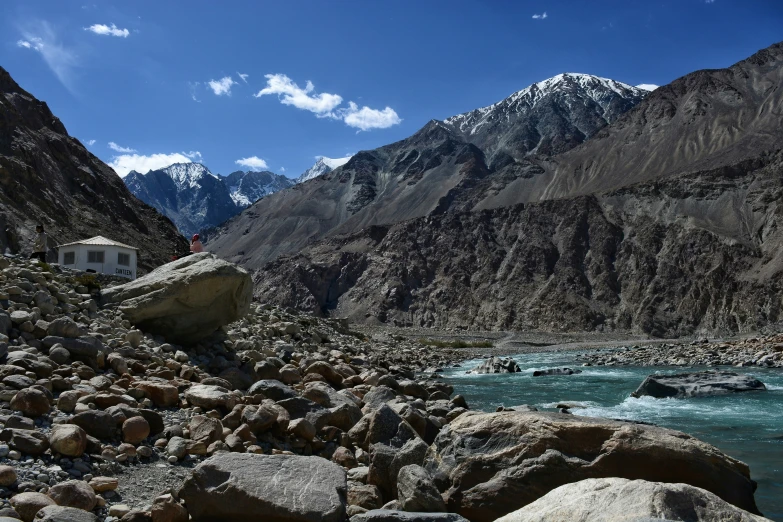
(131,80)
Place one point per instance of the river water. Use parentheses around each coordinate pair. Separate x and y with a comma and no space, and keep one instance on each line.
(746,426)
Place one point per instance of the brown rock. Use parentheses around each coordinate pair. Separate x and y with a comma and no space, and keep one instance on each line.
(30,503)
(7,475)
(103,484)
(135,430)
(73,493)
(162,395)
(31,401)
(68,439)
(166,509)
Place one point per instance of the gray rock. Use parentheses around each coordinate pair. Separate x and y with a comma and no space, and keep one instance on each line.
(387,461)
(621,500)
(64,514)
(417,492)
(377,397)
(208,396)
(185,300)
(697,384)
(387,515)
(235,487)
(497,365)
(272,389)
(555,371)
(64,327)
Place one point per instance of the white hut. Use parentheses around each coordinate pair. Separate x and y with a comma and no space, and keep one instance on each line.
(99,254)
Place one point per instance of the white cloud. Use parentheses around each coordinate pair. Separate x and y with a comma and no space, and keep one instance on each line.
(325,105)
(221,86)
(108,30)
(289,93)
(90,143)
(253,162)
(540,16)
(367,118)
(113,146)
(282,169)
(709,1)
(125,163)
(647,86)
(59,59)
(243,76)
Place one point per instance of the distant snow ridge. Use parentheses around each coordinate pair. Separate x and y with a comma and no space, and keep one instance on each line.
(321,167)
(600,90)
(187,175)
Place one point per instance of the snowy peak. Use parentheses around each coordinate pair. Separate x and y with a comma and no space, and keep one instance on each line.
(575,87)
(187,175)
(321,167)
(246,188)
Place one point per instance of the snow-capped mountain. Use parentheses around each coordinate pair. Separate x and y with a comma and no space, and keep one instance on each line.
(321,167)
(245,188)
(547,117)
(188,175)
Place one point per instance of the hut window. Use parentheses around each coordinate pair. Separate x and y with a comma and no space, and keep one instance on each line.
(69,258)
(123,259)
(95,256)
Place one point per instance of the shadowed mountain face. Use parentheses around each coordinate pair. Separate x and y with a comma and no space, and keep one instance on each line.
(48,177)
(665,222)
(195,199)
(432,171)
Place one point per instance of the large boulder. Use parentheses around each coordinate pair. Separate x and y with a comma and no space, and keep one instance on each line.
(491,464)
(497,365)
(237,487)
(622,500)
(185,300)
(697,384)
(388,515)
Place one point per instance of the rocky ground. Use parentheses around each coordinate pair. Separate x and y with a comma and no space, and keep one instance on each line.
(764,351)
(276,416)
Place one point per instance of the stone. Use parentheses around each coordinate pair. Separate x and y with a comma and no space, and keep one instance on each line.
(302,428)
(497,365)
(162,395)
(377,397)
(31,401)
(73,493)
(259,419)
(387,427)
(7,475)
(209,397)
(103,484)
(119,510)
(97,423)
(205,429)
(555,371)
(697,384)
(387,461)
(387,515)
(64,514)
(29,503)
(364,495)
(64,327)
(620,500)
(417,492)
(185,300)
(272,389)
(68,439)
(135,430)
(524,455)
(237,487)
(30,442)
(166,509)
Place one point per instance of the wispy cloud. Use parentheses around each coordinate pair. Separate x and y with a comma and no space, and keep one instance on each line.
(289,93)
(221,86)
(41,37)
(647,86)
(108,30)
(90,143)
(367,118)
(709,1)
(243,76)
(253,162)
(325,105)
(125,163)
(282,169)
(113,146)
(193,87)
(542,16)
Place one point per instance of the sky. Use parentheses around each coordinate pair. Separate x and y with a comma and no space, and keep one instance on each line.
(272,85)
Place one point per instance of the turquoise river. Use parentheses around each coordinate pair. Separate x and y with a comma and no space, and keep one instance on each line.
(747,426)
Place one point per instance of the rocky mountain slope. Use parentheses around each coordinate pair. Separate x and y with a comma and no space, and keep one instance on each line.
(194,198)
(48,177)
(665,243)
(430,172)
(322,166)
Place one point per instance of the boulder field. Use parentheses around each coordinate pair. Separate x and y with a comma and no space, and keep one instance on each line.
(110,416)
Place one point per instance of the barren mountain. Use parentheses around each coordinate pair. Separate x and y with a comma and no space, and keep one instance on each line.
(429,171)
(664,222)
(48,177)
